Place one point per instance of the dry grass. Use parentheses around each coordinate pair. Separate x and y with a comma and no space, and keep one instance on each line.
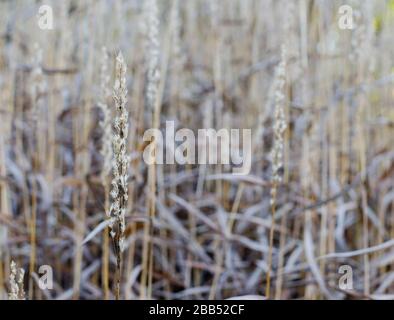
(320,193)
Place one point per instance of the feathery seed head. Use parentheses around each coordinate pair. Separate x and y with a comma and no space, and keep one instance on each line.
(153,52)
(279,125)
(105,123)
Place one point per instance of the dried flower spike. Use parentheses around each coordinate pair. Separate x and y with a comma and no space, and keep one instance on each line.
(279,125)
(121,160)
(105,123)
(16,283)
(153,52)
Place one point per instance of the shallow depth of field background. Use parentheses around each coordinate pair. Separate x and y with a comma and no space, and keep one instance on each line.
(210,230)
